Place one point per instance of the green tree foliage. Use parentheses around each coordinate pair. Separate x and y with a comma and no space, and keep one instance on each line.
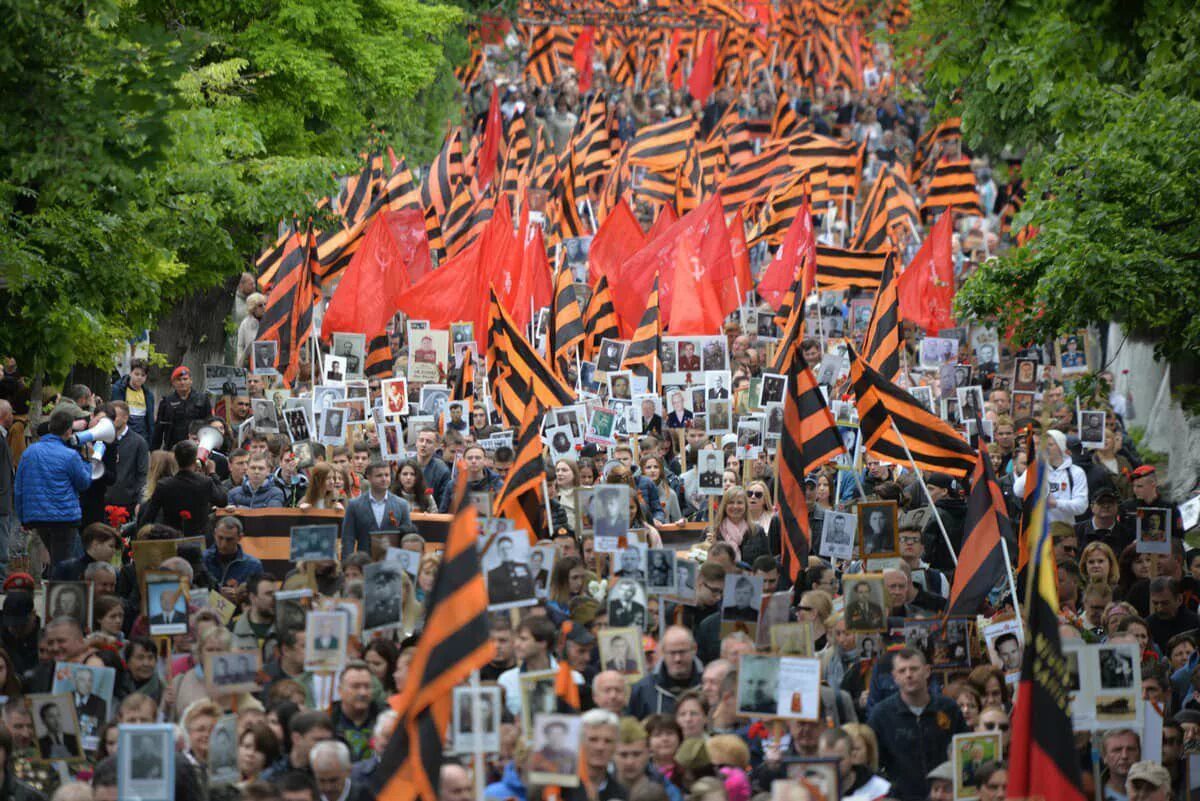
(148,150)
(1105,99)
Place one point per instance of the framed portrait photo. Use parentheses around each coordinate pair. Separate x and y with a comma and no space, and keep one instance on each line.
(313,543)
(326,641)
(866,604)
(621,650)
(146,761)
(55,727)
(264,356)
(877,524)
(475,722)
(166,604)
(970,751)
(232,672)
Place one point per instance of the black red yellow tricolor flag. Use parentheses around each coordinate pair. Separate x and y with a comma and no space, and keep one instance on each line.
(981,559)
(520,499)
(1042,761)
(890,419)
(642,356)
(808,440)
(454,643)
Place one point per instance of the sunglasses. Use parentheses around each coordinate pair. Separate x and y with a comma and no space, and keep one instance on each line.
(755,494)
(996,726)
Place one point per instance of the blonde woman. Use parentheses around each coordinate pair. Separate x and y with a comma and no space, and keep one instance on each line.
(1099,563)
(566,481)
(760,508)
(865,749)
(733,527)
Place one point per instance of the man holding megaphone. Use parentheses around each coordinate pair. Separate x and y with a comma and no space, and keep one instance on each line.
(49,479)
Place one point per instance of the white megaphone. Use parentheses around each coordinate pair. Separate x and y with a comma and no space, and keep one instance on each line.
(210,439)
(101,432)
(98,460)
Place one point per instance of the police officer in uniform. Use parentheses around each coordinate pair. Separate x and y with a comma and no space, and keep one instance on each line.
(177,411)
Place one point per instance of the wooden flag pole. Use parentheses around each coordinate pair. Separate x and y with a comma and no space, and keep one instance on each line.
(924,486)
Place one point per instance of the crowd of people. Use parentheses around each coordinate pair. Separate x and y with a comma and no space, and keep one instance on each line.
(670,613)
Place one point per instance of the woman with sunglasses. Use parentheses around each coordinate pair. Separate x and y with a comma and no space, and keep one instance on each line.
(760,510)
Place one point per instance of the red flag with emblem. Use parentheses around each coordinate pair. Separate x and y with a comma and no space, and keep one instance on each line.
(926,288)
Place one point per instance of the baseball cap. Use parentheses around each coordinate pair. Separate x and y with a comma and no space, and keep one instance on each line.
(1105,493)
(180,372)
(581,636)
(943,480)
(18,606)
(1148,771)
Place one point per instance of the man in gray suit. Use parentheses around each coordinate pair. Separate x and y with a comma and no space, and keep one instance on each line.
(377,510)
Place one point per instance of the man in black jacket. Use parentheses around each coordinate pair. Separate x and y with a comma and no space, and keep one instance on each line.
(126,461)
(184,500)
(178,410)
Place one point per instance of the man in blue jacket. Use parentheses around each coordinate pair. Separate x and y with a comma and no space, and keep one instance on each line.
(49,479)
(226,563)
(257,490)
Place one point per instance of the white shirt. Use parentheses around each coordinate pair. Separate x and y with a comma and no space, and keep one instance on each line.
(378,508)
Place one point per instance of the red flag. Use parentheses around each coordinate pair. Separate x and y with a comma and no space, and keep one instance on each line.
(582,56)
(493,134)
(393,256)
(700,82)
(927,287)
(619,237)
(695,307)
(535,287)
(665,219)
(799,250)
(741,254)
(704,226)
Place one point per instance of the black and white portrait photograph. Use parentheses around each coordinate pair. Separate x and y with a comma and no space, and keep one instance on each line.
(610,514)
(223,752)
(475,723)
(830,369)
(608,359)
(621,650)
(352,350)
(710,465)
(627,604)
(1091,429)
(324,397)
(758,685)
(334,370)
(383,590)
(313,543)
(685,582)
(660,571)
(562,443)
(166,606)
(936,351)
(232,672)
(774,424)
(741,602)
(774,386)
(630,563)
(333,427)
(541,567)
(91,688)
(602,426)
(1152,529)
(749,436)
(297,424)
(555,755)
(837,535)
(718,418)
(264,356)
(266,416)
(69,599)
(716,385)
(55,727)
(970,402)
(1116,666)
(326,641)
(923,395)
(434,400)
(146,761)
(410,560)
(537,697)
(877,522)
(715,354)
(507,570)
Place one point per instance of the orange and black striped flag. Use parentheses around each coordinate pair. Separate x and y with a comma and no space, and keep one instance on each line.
(890,203)
(288,318)
(785,118)
(809,439)
(400,191)
(793,335)
(838,268)
(881,345)
(981,558)
(520,499)
(454,643)
(642,356)
(600,320)
(270,260)
(541,64)
(518,375)
(894,425)
(662,146)
(464,381)
(1043,761)
(566,323)
(952,187)
(379,357)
